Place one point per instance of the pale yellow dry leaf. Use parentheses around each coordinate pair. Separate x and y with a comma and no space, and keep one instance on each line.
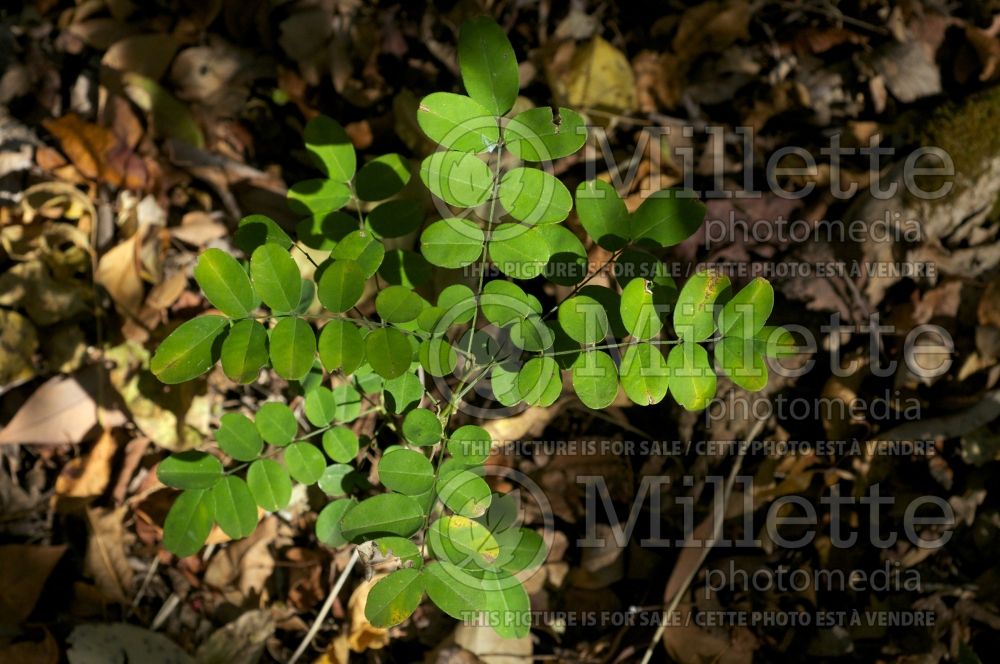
(599,76)
(363,635)
(63,410)
(118,272)
(177,419)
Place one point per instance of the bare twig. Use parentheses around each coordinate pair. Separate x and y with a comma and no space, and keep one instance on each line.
(327,605)
(716,532)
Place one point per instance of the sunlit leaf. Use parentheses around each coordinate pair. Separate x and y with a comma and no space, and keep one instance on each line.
(452,243)
(388,352)
(694,315)
(225,283)
(244,352)
(190,470)
(533,196)
(384,514)
(340,444)
(519,251)
(276,277)
(603,214)
(305,462)
(538,135)
(188,522)
(488,65)
(692,379)
(276,423)
(190,350)
(458,178)
(331,148)
(644,374)
(238,437)
(407,471)
(421,427)
(292,347)
(341,286)
(457,122)
(235,509)
(270,484)
(595,379)
(394,597)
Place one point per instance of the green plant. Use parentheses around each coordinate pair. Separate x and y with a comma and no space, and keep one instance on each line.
(415,362)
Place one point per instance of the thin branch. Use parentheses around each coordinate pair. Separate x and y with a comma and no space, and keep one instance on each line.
(716,533)
(327,605)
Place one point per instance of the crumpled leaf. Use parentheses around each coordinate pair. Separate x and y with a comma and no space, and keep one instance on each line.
(118,271)
(242,640)
(47,299)
(88,476)
(97,152)
(18,343)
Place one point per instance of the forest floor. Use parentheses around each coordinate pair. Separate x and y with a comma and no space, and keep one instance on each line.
(134,135)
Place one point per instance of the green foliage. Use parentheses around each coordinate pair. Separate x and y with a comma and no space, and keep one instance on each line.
(367,333)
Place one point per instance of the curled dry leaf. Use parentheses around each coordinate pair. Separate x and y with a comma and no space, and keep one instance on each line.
(88,476)
(97,152)
(119,273)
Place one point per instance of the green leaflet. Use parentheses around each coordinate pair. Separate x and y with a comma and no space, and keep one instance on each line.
(225,283)
(190,350)
(488,65)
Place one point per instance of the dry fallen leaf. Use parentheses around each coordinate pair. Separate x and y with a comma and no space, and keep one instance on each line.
(23,572)
(241,640)
(63,410)
(599,76)
(88,477)
(18,343)
(97,152)
(146,55)
(118,272)
(106,562)
(45,651)
(362,634)
(46,299)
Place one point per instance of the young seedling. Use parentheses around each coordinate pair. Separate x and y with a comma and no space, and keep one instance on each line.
(413,364)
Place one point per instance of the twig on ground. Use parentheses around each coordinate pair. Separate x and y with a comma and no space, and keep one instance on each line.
(327,605)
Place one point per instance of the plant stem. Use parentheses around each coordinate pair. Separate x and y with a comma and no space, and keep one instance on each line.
(486,240)
(579,286)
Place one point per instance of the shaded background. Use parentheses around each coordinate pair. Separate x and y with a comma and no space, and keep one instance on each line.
(135,134)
